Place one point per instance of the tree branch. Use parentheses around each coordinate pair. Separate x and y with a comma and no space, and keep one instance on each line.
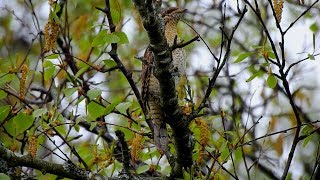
(115,57)
(125,155)
(67,170)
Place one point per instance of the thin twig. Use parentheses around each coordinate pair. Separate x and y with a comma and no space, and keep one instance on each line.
(301,15)
(182,44)
(218,70)
(275,133)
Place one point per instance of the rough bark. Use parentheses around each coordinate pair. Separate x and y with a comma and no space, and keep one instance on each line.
(154,26)
(67,170)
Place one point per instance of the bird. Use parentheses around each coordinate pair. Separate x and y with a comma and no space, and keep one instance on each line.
(150,91)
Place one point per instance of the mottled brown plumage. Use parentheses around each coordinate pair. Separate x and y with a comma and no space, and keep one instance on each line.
(150,85)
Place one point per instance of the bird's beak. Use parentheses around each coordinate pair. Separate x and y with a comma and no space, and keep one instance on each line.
(182,11)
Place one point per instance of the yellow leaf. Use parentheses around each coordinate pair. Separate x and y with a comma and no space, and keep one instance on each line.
(300,95)
(278,146)
(273,123)
(79,25)
(292,118)
(61,75)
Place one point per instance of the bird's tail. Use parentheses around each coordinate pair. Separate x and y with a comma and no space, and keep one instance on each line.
(160,129)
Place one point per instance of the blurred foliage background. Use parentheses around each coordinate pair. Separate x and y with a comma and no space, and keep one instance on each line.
(65,100)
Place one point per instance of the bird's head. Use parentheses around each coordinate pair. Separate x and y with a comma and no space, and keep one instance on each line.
(173,14)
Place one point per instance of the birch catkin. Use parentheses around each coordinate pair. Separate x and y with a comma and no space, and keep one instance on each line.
(24,72)
(278,8)
(51,32)
(136,147)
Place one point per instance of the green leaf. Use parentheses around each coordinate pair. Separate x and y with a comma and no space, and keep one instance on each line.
(81,64)
(52,56)
(49,72)
(77,128)
(128,134)
(80,100)
(4,177)
(2,94)
(93,93)
(61,129)
(19,124)
(53,13)
(39,112)
(57,8)
(4,112)
(47,64)
(85,153)
(242,57)
(6,78)
(123,37)
(272,81)
(81,71)
(69,77)
(11,127)
(109,63)
(266,64)
(115,15)
(238,154)
(254,75)
(111,38)
(289,176)
(271,55)
(60,118)
(224,151)
(311,56)
(110,107)
(186,175)
(99,39)
(257,47)
(142,169)
(54,17)
(68,92)
(103,38)
(23,122)
(251,77)
(314,27)
(149,155)
(122,107)
(93,125)
(306,140)
(306,129)
(95,110)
